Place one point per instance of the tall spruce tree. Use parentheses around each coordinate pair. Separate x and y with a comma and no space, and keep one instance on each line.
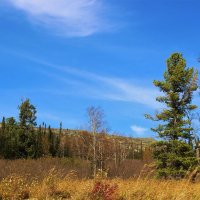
(175,154)
(3,124)
(27,114)
(27,136)
(39,142)
(2,135)
(10,139)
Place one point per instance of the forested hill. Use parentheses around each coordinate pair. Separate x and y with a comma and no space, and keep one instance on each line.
(135,140)
(80,144)
(138,140)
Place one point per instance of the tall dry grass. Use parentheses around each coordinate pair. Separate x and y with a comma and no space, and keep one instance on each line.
(39,168)
(52,187)
(50,181)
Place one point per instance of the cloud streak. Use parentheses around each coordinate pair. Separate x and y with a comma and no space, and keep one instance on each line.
(103,87)
(65,17)
(94,85)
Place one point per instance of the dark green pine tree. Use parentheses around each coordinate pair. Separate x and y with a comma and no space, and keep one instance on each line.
(27,114)
(2,136)
(3,124)
(175,154)
(39,143)
(60,129)
(58,141)
(10,143)
(51,140)
(27,135)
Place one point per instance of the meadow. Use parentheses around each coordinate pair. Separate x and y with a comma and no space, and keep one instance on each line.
(49,178)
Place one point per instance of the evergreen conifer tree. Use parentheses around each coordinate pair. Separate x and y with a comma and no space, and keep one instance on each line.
(3,124)
(2,136)
(27,135)
(27,114)
(175,154)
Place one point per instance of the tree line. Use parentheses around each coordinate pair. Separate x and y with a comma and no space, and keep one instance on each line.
(24,139)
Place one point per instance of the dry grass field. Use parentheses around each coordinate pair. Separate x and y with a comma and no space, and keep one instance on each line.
(48,182)
(51,187)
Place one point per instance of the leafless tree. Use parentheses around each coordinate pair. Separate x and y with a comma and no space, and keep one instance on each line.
(96,125)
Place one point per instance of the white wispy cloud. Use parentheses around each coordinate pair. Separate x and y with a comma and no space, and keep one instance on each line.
(104,87)
(96,86)
(140,131)
(66,17)
(130,92)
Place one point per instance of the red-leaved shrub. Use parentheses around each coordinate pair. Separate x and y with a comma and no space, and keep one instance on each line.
(104,191)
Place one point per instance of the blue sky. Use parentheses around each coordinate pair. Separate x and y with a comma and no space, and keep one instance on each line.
(66,55)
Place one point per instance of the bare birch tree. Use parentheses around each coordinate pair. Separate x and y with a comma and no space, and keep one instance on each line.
(96,125)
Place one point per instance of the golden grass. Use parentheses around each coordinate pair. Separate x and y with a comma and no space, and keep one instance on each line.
(62,179)
(52,187)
